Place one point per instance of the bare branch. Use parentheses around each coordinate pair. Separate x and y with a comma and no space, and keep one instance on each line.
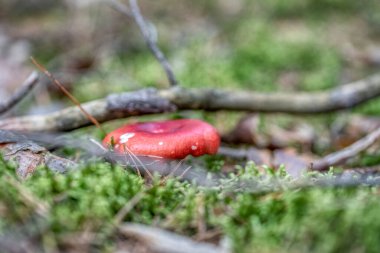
(149,39)
(26,87)
(150,101)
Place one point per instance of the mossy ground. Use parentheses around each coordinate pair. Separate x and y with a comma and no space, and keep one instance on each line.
(312,219)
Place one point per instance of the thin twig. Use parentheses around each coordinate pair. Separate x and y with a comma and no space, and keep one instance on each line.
(351,151)
(67,93)
(26,87)
(149,40)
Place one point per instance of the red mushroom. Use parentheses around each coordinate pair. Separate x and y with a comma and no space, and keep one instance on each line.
(172,139)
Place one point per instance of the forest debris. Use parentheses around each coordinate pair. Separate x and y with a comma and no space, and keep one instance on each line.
(351,151)
(259,157)
(67,93)
(26,87)
(344,134)
(247,131)
(149,33)
(300,134)
(295,164)
(159,240)
(145,101)
(29,155)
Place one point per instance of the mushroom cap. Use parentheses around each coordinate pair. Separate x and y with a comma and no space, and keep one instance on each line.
(173,139)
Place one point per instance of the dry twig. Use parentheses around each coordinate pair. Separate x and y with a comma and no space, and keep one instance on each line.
(26,87)
(151,43)
(149,38)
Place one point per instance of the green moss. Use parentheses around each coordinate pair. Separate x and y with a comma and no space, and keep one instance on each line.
(261,57)
(310,8)
(313,219)
(370,108)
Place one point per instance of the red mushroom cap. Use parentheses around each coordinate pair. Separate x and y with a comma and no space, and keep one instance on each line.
(173,139)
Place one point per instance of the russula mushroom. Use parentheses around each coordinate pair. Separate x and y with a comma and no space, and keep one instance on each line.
(171,139)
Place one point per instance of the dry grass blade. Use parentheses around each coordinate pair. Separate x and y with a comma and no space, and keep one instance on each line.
(135,158)
(67,93)
(128,207)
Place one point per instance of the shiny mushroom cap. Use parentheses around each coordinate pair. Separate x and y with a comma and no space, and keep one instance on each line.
(172,139)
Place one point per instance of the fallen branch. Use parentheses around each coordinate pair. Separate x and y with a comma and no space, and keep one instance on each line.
(26,87)
(148,101)
(339,157)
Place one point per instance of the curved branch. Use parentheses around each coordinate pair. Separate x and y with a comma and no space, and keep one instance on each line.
(150,101)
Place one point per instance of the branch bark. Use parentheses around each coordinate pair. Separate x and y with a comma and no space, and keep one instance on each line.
(29,156)
(148,101)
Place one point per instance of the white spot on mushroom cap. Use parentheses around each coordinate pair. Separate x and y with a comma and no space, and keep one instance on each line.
(161,143)
(125,137)
(194,147)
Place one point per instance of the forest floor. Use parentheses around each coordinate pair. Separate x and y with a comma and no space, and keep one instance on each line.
(267,198)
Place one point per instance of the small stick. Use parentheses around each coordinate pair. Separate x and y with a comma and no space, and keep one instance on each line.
(152,45)
(67,93)
(26,87)
(341,156)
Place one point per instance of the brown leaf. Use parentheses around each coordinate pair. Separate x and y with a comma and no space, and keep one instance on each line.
(295,164)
